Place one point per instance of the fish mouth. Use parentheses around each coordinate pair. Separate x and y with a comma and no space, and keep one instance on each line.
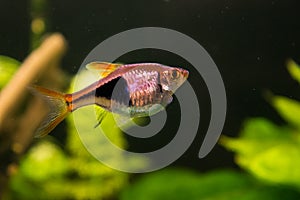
(185,73)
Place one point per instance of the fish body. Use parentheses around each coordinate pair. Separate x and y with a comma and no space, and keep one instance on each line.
(133,90)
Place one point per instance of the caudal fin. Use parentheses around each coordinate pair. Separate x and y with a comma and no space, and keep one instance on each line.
(58,109)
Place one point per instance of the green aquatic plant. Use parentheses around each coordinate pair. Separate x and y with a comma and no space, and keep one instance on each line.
(19,114)
(49,171)
(215,185)
(268,151)
(8,66)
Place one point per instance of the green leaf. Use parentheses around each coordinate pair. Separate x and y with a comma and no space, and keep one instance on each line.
(255,132)
(47,172)
(47,160)
(267,151)
(294,70)
(288,109)
(99,141)
(8,67)
(183,184)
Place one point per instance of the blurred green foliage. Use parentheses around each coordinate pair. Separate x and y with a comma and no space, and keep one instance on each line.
(268,151)
(8,66)
(49,171)
(107,135)
(39,11)
(184,184)
(294,70)
(268,155)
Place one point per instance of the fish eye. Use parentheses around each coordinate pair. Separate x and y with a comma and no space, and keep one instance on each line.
(175,74)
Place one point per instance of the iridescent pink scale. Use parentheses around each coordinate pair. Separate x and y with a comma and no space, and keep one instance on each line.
(143,87)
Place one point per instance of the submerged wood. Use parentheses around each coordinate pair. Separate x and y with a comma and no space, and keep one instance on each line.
(16,129)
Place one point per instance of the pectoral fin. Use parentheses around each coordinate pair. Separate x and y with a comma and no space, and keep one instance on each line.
(167,98)
(101,113)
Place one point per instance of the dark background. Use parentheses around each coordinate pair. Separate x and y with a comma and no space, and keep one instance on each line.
(249,41)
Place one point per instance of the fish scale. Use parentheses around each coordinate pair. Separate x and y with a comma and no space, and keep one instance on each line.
(143,87)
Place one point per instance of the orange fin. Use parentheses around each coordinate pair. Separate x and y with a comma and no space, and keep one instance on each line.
(58,109)
(103,68)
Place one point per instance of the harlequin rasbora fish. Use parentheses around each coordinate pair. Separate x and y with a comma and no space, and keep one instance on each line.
(132,89)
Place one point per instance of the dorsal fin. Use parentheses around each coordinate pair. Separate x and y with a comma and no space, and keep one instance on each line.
(102,68)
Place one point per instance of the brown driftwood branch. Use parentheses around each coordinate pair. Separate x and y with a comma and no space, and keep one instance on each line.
(42,64)
(33,67)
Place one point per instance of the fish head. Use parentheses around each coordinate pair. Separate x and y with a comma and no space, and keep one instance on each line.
(172,78)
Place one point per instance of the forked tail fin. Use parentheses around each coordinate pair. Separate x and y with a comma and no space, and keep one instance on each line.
(58,109)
